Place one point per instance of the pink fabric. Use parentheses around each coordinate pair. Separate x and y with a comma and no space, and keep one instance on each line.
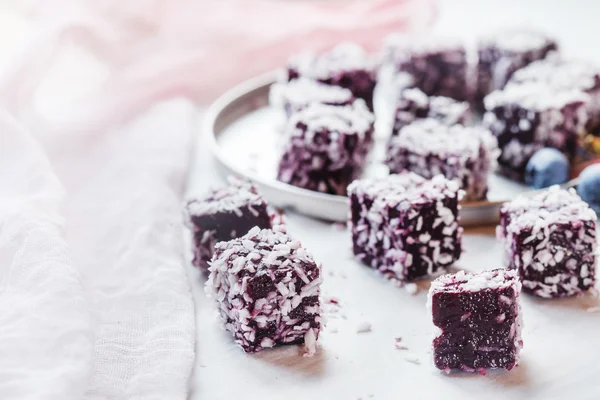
(94,298)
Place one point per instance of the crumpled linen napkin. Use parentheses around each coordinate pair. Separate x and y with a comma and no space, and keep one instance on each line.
(94,298)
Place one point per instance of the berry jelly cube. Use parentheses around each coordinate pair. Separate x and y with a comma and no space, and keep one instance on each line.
(224,214)
(560,75)
(267,289)
(405,226)
(529,116)
(551,240)
(413,104)
(477,318)
(428,147)
(326,147)
(346,65)
(503,53)
(296,95)
(439,66)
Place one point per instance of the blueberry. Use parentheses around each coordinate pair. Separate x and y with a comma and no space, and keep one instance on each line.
(547,167)
(589,186)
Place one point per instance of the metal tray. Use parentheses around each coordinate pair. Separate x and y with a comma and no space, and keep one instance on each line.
(244,132)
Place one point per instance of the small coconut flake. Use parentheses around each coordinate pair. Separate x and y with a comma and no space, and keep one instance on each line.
(363,327)
(398,344)
(411,288)
(411,358)
(593,309)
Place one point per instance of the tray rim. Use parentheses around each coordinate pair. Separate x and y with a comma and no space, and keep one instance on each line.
(477,213)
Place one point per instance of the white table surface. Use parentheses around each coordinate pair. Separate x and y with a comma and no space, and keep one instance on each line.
(560,358)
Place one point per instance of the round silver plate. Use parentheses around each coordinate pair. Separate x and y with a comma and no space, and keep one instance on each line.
(245,137)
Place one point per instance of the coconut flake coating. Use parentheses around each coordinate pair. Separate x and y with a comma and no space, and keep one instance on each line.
(405,226)
(224,214)
(551,240)
(500,55)
(346,65)
(478,320)
(560,75)
(428,147)
(413,104)
(267,288)
(296,95)
(439,66)
(529,116)
(326,147)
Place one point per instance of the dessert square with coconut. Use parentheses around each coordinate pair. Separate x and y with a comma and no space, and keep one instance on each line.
(428,147)
(438,65)
(405,226)
(267,288)
(501,54)
(550,240)
(412,104)
(346,65)
(326,147)
(561,74)
(298,94)
(529,116)
(224,214)
(477,319)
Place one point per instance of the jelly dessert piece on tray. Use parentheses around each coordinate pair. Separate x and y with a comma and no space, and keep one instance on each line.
(428,147)
(550,240)
(439,66)
(296,95)
(224,214)
(405,226)
(528,116)
(560,74)
(267,287)
(413,104)
(346,65)
(503,53)
(477,317)
(326,147)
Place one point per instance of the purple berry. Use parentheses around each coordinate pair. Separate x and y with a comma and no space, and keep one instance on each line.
(589,186)
(547,167)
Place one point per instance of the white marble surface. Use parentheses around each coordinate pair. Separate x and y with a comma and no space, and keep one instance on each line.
(561,352)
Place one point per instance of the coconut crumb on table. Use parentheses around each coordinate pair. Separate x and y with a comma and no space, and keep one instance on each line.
(364,327)
(412,358)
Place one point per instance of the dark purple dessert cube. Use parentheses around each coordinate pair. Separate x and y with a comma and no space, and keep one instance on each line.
(326,147)
(560,75)
(503,53)
(296,95)
(346,65)
(439,66)
(224,214)
(413,104)
(405,226)
(527,117)
(267,288)
(550,240)
(428,147)
(477,318)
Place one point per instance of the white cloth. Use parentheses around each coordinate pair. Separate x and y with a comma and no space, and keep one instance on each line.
(100,306)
